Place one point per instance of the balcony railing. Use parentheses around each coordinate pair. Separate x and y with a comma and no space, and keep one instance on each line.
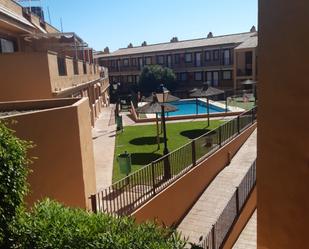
(219,232)
(128,194)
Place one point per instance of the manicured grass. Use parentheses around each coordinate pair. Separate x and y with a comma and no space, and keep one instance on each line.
(140,141)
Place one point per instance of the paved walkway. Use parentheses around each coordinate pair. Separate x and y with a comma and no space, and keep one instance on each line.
(247,238)
(103,137)
(207,209)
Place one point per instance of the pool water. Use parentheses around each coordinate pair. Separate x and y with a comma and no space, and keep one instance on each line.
(188,107)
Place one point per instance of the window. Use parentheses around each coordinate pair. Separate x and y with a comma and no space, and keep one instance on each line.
(177,58)
(6,46)
(160,59)
(209,77)
(183,76)
(188,57)
(216,55)
(125,62)
(169,61)
(227,75)
(75,66)
(207,56)
(198,76)
(215,78)
(197,59)
(140,63)
(130,79)
(62,69)
(148,60)
(134,62)
(227,57)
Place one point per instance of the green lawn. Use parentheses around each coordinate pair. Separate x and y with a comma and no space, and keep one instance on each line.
(140,141)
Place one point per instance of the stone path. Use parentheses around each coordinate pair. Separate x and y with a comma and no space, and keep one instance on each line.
(247,238)
(103,137)
(198,222)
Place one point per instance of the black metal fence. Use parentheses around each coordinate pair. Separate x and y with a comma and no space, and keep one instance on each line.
(128,194)
(218,234)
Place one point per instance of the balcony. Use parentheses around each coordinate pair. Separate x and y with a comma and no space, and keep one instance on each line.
(42,75)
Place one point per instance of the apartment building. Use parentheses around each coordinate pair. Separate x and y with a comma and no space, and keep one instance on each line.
(223,61)
(37,61)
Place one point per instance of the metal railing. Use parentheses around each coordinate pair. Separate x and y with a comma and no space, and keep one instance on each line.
(128,194)
(219,232)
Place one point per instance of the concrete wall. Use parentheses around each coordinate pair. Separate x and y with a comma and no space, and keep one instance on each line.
(64,169)
(283,121)
(170,205)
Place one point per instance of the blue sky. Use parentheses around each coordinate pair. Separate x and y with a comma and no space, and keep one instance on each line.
(116,23)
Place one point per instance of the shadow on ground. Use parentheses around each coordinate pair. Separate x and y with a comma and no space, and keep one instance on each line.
(144,158)
(191,134)
(145,140)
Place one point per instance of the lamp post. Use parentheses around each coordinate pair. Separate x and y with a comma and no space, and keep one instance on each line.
(163,96)
(116,89)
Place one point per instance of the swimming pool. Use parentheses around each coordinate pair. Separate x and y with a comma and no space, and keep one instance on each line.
(189,107)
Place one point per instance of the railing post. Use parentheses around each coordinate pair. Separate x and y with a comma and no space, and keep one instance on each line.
(238,124)
(193,153)
(220,136)
(213,236)
(237,200)
(94,203)
(153,179)
(252,115)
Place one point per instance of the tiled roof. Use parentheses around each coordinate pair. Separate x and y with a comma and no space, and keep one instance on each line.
(251,42)
(203,42)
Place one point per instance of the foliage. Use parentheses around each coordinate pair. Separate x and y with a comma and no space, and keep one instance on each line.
(13,174)
(152,76)
(143,145)
(50,225)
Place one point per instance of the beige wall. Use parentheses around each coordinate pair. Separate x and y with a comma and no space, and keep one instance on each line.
(178,198)
(64,168)
(24,76)
(69,80)
(283,121)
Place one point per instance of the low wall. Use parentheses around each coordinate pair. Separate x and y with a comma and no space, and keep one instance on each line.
(171,205)
(64,169)
(242,220)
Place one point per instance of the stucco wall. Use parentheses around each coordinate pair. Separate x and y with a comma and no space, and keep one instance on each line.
(283,121)
(24,76)
(64,168)
(170,205)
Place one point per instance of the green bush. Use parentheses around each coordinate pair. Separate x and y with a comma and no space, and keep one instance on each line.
(13,174)
(51,225)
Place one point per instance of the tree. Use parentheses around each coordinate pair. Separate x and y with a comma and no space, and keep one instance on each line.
(152,76)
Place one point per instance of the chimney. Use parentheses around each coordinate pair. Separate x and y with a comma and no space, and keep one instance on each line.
(106,50)
(210,35)
(144,44)
(253,29)
(130,45)
(174,39)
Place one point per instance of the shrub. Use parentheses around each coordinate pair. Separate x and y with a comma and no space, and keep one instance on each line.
(13,174)
(51,225)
